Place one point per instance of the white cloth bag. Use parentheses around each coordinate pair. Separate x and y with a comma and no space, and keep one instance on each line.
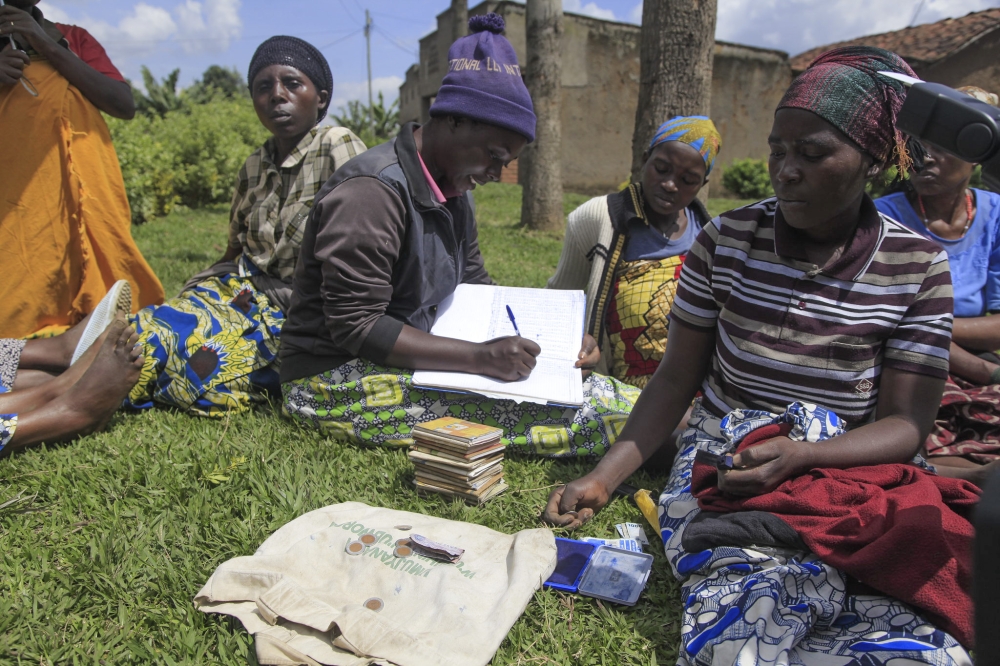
(301,594)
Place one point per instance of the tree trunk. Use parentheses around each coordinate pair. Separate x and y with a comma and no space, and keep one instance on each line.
(675,66)
(540,164)
(459,18)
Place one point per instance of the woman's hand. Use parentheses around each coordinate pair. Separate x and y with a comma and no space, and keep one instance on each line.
(589,356)
(971,367)
(109,95)
(509,358)
(16,21)
(765,466)
(12,64)
(574,504)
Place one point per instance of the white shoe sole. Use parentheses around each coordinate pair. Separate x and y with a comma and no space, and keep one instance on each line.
(118,299)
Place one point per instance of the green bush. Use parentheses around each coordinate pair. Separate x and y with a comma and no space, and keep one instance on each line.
(748,179)
(189,156)
(361,120)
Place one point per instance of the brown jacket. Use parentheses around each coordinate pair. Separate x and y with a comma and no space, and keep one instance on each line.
(378,253)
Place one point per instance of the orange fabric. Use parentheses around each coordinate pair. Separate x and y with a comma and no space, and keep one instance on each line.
(65,226)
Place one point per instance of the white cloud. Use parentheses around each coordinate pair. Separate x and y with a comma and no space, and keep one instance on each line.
(935,10)
(798,25)
(138,33)
(54,13)
(635,16)
(589,9)
(209,25)
(345,91)
(214,22)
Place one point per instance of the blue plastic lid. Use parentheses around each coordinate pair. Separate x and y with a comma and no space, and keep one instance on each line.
(572,558)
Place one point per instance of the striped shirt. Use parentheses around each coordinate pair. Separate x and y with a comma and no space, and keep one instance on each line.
(271,204)
(787,330)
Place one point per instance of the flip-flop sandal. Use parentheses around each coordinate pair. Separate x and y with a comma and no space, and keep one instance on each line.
(118,299)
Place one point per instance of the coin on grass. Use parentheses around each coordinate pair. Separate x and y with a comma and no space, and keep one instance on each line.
(374,604)
(368,539)
(402,551)
(355,548)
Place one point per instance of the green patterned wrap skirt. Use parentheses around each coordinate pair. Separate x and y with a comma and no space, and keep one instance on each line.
(370,404)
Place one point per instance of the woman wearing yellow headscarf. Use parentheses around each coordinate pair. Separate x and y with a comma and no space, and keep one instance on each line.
(626,249)
(64,217)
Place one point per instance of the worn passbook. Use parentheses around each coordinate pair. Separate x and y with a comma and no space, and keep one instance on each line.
(449,430)
(552,318)
(458,458)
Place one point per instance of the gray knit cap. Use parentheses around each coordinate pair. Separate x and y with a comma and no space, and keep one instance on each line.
(297,53)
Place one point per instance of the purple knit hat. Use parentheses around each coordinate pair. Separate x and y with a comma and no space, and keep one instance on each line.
(484,80)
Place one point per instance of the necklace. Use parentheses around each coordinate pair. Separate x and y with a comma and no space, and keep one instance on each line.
(677,222)
(969,212)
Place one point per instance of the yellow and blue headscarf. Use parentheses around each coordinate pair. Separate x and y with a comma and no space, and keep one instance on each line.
(696,131)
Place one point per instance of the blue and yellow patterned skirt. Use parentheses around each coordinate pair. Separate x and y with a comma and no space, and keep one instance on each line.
(211,350)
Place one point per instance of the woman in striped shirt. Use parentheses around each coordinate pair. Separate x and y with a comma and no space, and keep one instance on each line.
(809,297)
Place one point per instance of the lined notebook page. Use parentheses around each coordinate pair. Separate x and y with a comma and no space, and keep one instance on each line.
(552,318)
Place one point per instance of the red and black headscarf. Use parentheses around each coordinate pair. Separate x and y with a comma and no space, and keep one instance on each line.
(844,88)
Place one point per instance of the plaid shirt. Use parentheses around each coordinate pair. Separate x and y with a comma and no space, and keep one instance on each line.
(271,204)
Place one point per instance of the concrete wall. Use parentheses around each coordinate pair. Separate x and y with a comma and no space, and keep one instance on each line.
(600,85)
(976,65)
(747,84)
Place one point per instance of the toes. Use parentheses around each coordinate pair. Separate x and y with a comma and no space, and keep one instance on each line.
(125,336)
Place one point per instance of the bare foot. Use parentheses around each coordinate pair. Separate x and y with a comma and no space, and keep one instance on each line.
(89,404)
(52,355)
(108,379)
(34,388)
(71,338)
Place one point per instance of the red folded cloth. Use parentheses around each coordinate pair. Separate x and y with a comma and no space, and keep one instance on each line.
(899,529)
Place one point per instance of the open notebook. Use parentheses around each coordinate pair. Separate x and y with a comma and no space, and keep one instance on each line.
(553,318)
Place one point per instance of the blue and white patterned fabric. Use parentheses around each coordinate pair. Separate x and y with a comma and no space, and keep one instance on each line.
(810,423)
(763,607)
(8,424)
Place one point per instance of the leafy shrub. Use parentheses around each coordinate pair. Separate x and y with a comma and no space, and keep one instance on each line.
(145,155)
(885,183)
(161,97)
(189,156)
(359,119)
(748,179)
(210,143)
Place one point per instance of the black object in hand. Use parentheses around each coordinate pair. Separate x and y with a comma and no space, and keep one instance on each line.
(717,460)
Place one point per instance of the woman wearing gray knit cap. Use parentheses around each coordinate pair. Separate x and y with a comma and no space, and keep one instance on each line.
(392,235)
(214,348)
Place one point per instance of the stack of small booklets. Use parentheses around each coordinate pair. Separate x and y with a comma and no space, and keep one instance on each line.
(459,459)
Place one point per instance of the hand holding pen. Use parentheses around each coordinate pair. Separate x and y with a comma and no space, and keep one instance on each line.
(508,358)
(510,315)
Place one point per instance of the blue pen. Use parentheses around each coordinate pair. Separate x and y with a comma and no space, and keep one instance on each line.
(510,313)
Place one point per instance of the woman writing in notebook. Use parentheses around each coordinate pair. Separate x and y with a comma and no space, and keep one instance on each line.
(392,235)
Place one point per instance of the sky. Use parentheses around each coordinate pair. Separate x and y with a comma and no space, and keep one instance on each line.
(193,34)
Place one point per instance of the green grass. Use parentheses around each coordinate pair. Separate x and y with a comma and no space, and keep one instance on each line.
(108,538)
